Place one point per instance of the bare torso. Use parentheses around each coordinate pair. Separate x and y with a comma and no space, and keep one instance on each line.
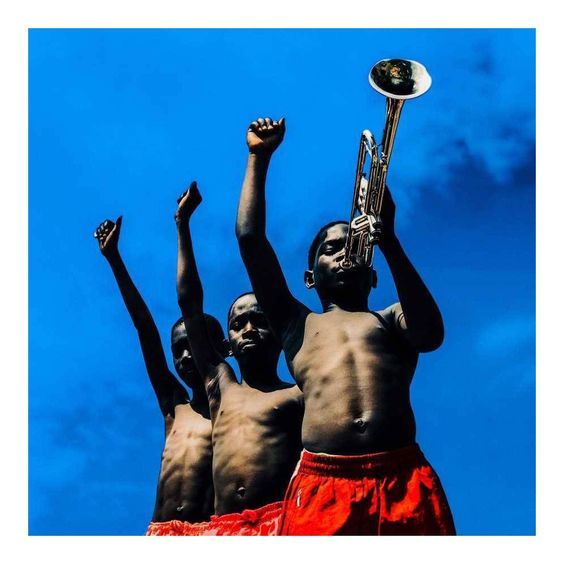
(256,440)
(185,489)
(355,369)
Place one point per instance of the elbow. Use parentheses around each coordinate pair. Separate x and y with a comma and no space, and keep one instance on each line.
(243,232)
(429,342)
(247,228)
(188,305)
(183,296)
(142,320)
(183,302)
(248,238)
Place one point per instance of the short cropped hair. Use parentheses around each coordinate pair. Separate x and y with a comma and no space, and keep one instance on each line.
(215,330)
(317,239)
(234,301)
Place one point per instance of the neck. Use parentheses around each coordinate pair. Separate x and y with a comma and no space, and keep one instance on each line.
(346,302)
(262,375)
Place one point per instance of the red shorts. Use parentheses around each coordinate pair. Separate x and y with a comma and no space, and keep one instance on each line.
(175,529)
(386,493)
(263,521)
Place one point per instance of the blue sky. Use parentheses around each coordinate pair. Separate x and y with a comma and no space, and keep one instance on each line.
(122,120)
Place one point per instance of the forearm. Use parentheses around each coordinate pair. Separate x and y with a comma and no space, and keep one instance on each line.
(188,285)
(422,316)
(251,214)
(164,384)
(134,303)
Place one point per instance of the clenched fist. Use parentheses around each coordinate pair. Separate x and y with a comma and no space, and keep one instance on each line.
(107,234)
(187,203)
(264,135)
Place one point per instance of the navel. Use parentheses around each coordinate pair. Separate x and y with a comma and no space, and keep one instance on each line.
(360,425)
(241,492)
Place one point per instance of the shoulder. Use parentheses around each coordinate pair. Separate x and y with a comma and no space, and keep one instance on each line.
(220,378)
(392,317)
(296,317)
(393,320)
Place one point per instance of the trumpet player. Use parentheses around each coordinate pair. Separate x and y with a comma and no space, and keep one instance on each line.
(361,470)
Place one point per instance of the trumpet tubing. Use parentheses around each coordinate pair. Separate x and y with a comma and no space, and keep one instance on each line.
(398,80)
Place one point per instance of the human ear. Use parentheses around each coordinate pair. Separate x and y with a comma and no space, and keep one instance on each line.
(309,279)
(227,351)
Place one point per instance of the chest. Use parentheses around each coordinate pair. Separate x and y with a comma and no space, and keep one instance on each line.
(330,335)
(187,427)
(246,406)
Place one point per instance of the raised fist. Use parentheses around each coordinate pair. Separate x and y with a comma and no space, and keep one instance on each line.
(264,135)
(187,203)
(107,234)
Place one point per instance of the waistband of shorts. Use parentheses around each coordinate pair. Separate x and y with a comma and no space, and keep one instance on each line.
(359,465)
(250,515)
(175,528)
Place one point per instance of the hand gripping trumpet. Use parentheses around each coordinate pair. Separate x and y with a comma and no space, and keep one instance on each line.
(398,80)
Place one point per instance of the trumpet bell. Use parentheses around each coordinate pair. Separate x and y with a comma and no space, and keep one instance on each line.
(400,79)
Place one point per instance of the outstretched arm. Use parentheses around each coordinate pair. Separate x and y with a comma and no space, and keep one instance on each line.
(168,390)
(420,317)
(210,364)
(267,279)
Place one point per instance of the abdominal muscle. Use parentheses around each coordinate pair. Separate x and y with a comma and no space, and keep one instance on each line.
(355,381)
(255,452)
(185,490)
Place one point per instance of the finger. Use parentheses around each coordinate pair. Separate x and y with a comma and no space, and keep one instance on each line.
(181,197)
(254,125)
(195,191)
(118,223)
(282,124)
(260,122)
(193,184)
(268,123)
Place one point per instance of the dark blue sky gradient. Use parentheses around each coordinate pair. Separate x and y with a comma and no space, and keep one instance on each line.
(122,120)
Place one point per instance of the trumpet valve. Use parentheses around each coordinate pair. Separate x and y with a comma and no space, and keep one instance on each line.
(375,230)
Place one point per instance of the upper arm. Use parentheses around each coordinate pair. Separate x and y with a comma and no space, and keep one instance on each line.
(268,282)
(168,389)
(396,318)
(208,360)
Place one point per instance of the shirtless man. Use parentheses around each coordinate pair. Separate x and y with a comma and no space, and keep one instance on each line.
(256,424)
(185,486)
(361,471)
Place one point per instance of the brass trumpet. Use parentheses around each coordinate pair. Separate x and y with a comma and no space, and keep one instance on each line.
(398,80)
